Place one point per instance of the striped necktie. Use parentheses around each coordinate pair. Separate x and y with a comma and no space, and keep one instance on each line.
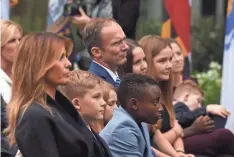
(117,82)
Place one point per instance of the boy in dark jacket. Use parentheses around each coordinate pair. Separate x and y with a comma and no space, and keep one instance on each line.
(199,121)
(84,90)
(188,107)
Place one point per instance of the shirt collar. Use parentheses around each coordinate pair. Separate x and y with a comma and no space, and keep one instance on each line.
(89,127)
(114,75)
(4,76)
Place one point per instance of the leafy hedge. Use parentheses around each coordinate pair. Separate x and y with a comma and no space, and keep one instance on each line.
(210,82)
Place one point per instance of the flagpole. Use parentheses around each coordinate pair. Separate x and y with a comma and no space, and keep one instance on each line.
(5,9)
(227,92)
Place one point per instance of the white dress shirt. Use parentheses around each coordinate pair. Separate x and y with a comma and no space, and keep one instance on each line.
(5,86)
(114,75)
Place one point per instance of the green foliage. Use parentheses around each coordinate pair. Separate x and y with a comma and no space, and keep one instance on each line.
(207,43)
(210,82)
(31,15)
(146,27)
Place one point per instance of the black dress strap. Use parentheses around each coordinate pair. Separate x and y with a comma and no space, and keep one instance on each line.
(165,120)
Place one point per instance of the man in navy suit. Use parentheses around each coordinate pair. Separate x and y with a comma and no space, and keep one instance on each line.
(126,133)
(105,42)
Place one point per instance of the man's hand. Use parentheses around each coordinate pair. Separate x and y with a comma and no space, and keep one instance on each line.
(203,124)
(80,20)
(217,110)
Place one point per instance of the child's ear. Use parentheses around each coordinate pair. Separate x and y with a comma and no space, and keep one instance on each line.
(76,103)
(186,97)
(133,103)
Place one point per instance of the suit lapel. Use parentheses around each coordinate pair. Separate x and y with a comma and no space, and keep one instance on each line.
(143,141)
(101,72)
(101,145)
(147,139)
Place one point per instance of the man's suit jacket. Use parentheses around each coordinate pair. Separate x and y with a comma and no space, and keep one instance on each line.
(125,138)
(101,72)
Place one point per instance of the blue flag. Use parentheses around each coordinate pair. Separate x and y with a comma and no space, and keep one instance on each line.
(227,94)
(5,9)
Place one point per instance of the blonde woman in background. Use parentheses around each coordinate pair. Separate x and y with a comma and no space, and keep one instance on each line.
(11,34)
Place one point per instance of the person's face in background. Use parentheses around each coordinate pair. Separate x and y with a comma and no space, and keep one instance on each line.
(59,73)
(114,47)
(193,101)
(111,106)
(149,108)
(177,59)
(9,50)
(162,64)
(139,61)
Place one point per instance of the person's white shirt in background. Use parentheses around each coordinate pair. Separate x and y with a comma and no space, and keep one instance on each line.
(5,86)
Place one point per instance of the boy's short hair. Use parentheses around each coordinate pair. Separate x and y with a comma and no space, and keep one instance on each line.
(134,86)
(106,88)
(80,81)
(187,86)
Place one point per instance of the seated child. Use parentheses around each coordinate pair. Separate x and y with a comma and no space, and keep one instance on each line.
(110,97)
(125,133)
(199,133)
(188,106)
(85,93)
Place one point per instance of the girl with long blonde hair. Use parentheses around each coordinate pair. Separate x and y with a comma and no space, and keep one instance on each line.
(42,122)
